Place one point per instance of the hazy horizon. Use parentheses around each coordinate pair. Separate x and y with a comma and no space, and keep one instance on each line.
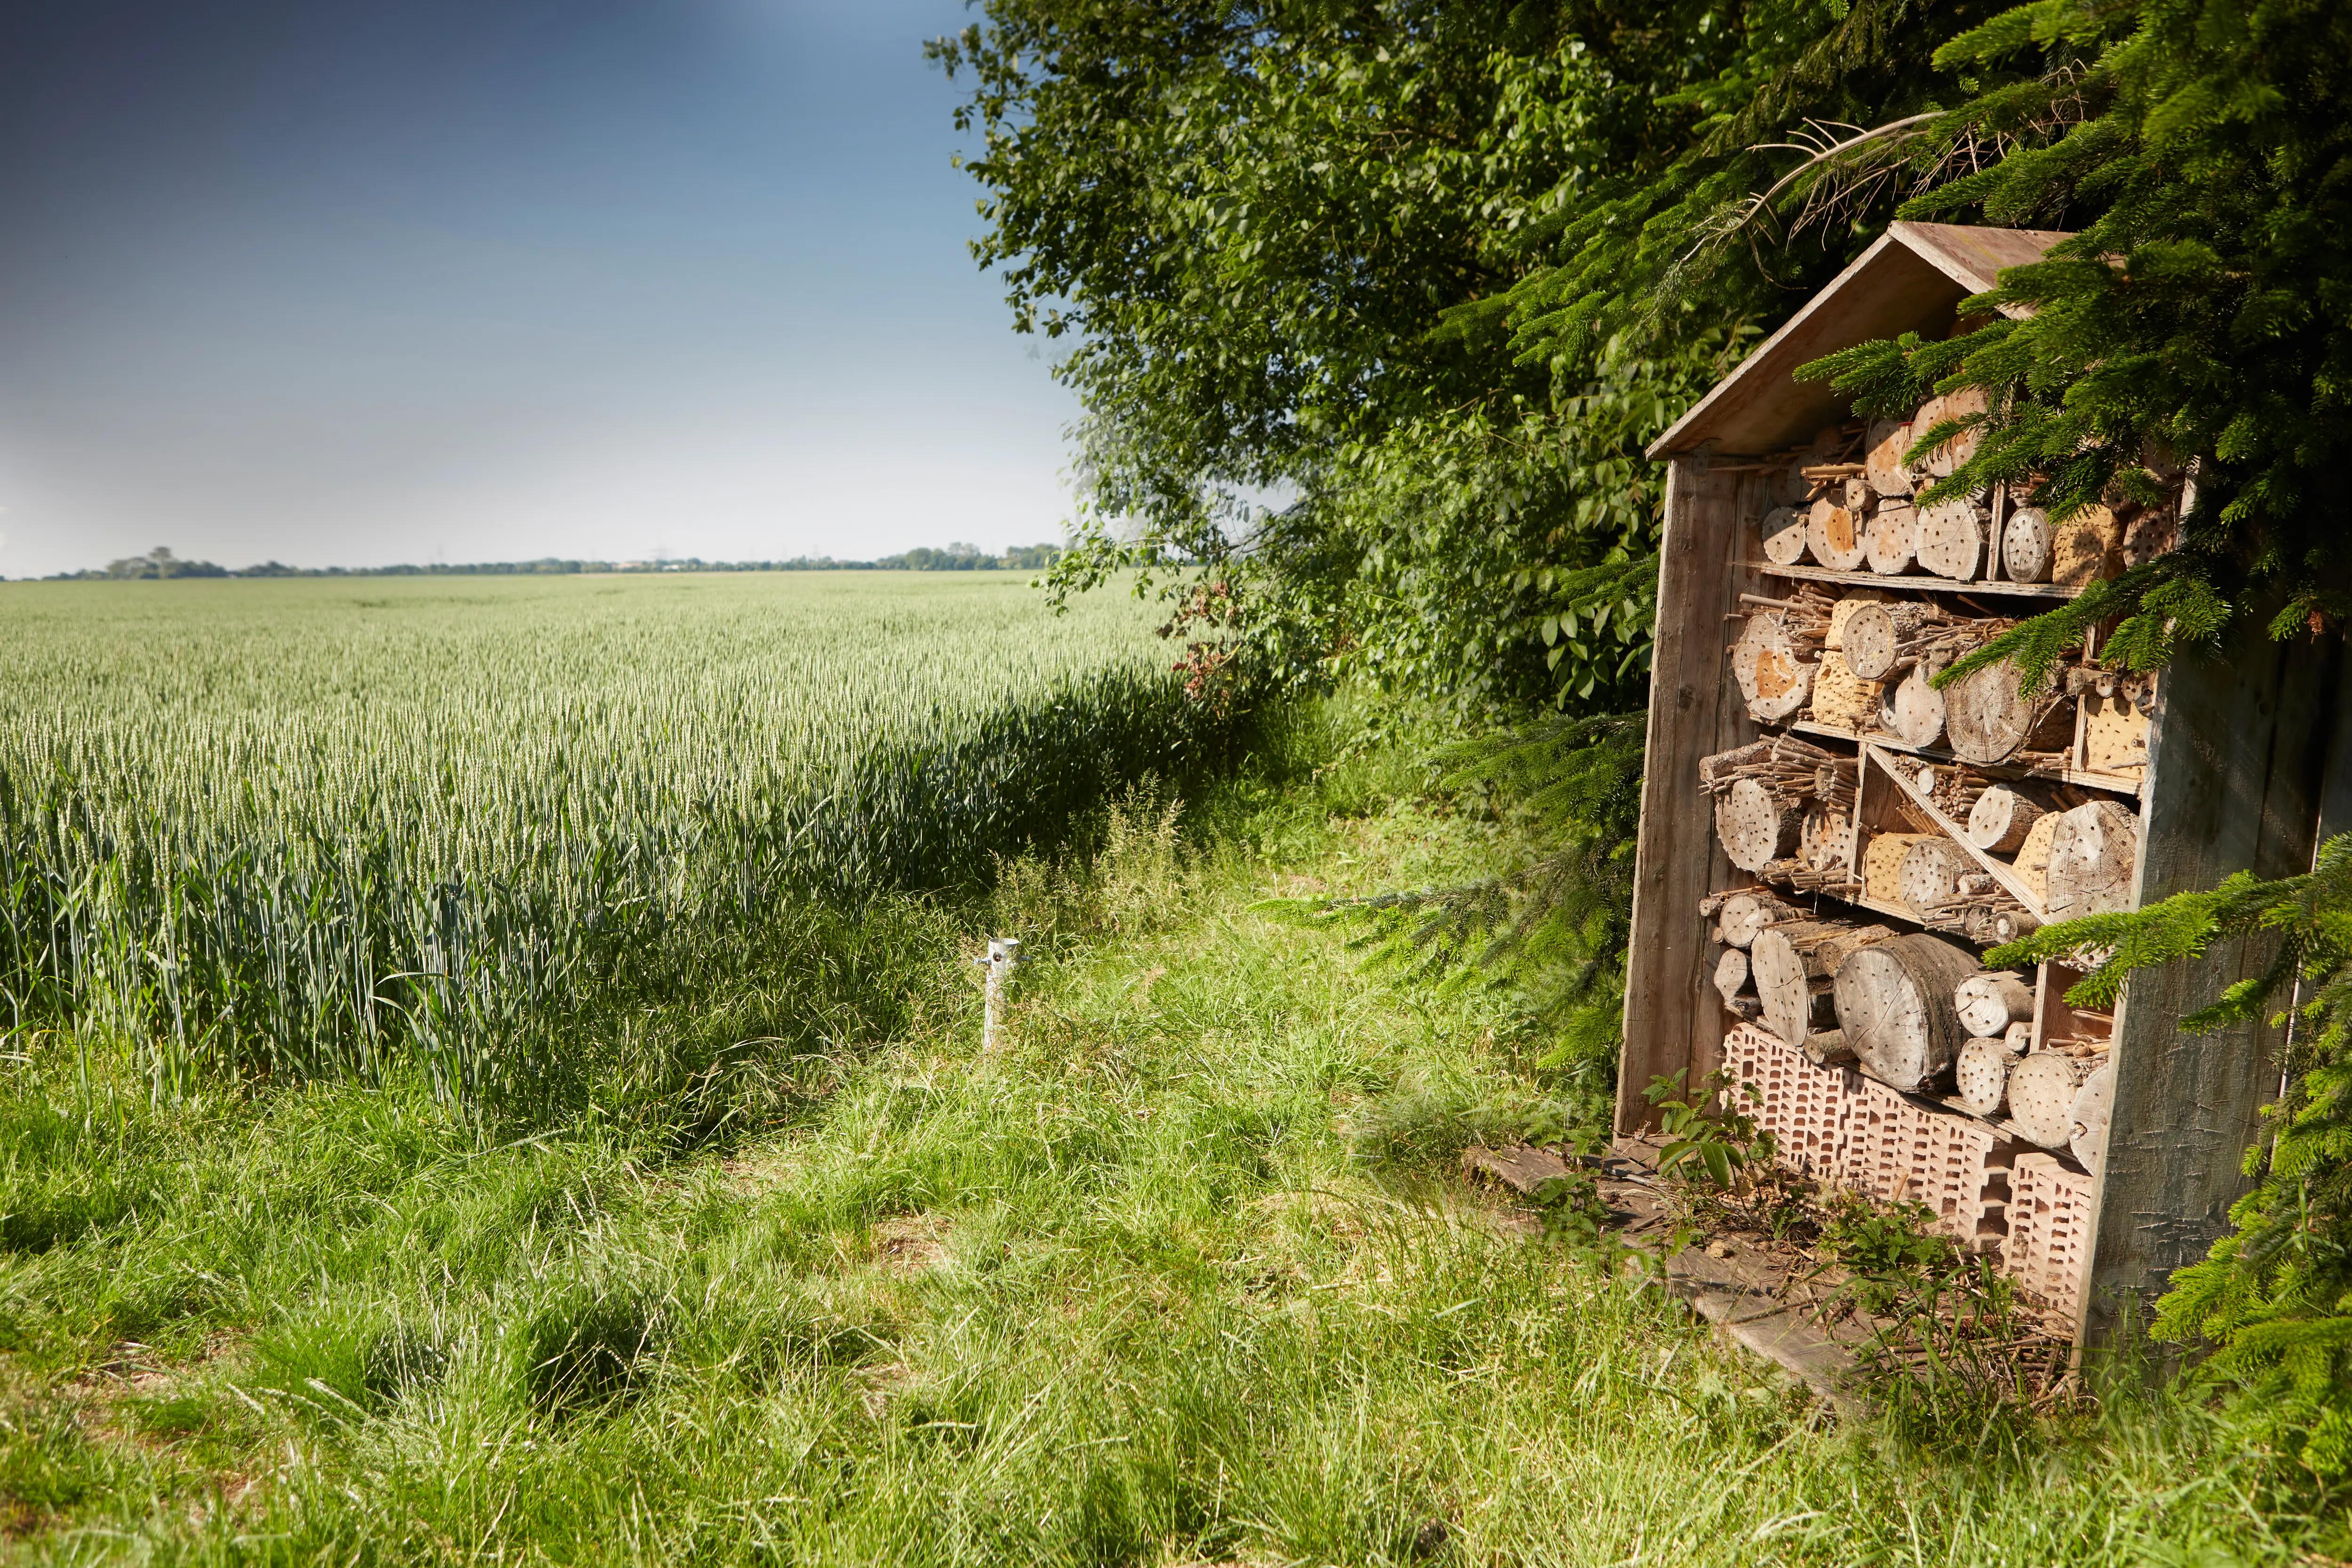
(383,284)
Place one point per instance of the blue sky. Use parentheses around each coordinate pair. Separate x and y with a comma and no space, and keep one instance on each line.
(362,281)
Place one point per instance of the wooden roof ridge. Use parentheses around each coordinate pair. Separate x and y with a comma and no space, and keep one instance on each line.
(1908,281)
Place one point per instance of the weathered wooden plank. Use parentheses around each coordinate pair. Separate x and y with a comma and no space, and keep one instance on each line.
(1672,1020)
(2235,756)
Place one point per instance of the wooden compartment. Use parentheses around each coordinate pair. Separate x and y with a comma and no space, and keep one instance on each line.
(2103,792)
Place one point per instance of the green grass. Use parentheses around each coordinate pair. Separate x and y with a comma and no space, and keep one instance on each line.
(304,827)
(1181,1276)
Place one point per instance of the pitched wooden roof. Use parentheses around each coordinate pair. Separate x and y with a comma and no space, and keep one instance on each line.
(1908,281)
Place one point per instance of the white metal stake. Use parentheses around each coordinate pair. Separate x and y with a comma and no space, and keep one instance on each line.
(1004,952)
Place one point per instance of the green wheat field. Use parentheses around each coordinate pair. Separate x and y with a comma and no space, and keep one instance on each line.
(294,827)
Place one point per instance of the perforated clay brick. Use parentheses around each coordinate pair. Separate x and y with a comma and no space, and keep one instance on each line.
(1834,1122)
(2048,1240)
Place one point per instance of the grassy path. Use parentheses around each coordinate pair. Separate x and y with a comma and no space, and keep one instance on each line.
(1178,1277)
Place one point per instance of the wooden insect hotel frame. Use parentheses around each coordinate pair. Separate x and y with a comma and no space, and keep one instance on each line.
(1829,843)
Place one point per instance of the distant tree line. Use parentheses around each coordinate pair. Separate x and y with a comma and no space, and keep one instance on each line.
(159,563)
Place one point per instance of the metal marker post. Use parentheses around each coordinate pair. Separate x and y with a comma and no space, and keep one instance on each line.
(1004,952)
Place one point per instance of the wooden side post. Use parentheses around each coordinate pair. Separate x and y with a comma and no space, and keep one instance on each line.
(1673,1022)
(2235,756)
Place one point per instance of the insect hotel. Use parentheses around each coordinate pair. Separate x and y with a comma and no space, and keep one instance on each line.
(1830,842)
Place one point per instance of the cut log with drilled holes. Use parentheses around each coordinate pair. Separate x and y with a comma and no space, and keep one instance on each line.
(1774,662)
(2041,1086)
(1929,413)
(1827,1048)
(1882,866)
(1844,611)
(1842,700)
(1876,635)
(1756,826)
(2027,545)
(2086,1117)
(1960,449)
(1783,531)
(1884,466)
(2150,533)
(1731,972)
(1794,1001)
(1989,719)
(1929,875)
(1951,538)
(1912,711)
(1890,540)
(2088,546)
(2093,854)
(1793,967)
(2000,819)
(1860,499)
(1825,838)
(1745,914)
(2115,734)
(1989,1003)
(1894,1001)
(1981,1076)
(1835,536)
(2032,862)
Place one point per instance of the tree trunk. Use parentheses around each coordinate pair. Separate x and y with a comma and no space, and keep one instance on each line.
(2000,819)
(1890,542)
(2027,545)
(1774,660)
(1791,998)
(2041,1087)
(1894,1000)
(1784,536)
(1989,1003)
(1884,466)
(1875,636)
(1989,719)
(1745,914)
(1981,1076)
(1793,966)
(2092,853)
(1913,711)
(1952,538)
(1835,536)
(1928,876)
(1844,611)
(1731,972)
(1946,460)
(1756,827)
